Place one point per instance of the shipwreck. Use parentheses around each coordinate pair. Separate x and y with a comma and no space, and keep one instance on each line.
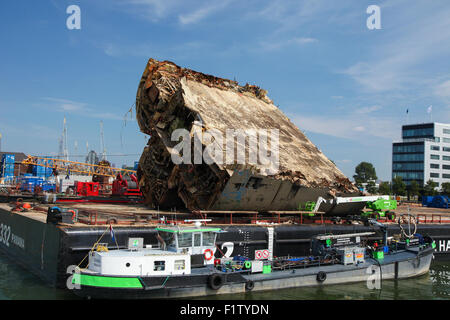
(171,99)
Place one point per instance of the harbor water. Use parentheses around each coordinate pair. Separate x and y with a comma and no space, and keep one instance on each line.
(16,283)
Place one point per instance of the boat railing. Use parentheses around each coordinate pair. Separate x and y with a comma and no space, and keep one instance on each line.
(289,262)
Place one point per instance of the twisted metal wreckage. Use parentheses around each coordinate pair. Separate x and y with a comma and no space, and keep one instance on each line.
(170,97)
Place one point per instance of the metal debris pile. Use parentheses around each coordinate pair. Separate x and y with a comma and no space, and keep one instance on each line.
(170,97)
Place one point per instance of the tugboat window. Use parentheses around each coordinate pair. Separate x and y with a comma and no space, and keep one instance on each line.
(179,265)
(128,264)
(169,238)
(184,240)
(208,239)
(197,239)
(159,266)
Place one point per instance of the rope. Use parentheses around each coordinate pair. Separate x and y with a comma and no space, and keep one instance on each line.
(93,248)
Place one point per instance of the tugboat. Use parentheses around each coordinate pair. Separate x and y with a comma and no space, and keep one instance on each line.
(184,265)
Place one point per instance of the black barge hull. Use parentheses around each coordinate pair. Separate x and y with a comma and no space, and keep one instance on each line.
(48,250)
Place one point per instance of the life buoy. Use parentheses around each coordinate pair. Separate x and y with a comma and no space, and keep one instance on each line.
(208,254)
(216,262)
(249,285)
(321,276)
(215,281)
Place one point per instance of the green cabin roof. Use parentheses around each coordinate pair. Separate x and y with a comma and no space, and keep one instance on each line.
(188,229)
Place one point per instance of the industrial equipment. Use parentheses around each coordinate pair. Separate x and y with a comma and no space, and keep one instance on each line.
(381,206)
(59,165)
(126,186)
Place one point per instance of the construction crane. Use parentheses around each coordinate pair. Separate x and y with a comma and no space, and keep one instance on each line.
(77,167)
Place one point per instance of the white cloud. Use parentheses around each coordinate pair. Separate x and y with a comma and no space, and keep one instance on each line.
(66,105)
(359,129)
(348,127)
(368,109)
(443,90)
(202,12)
(74,107)
(276,45)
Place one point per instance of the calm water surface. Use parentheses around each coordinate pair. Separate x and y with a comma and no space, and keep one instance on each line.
(16,283)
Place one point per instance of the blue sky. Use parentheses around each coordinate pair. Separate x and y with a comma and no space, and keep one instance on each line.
(347,87)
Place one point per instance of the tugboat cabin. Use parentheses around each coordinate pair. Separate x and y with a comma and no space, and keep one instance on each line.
(199,242)
(180,250)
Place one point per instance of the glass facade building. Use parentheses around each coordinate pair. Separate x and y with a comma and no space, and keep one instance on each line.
(423,153)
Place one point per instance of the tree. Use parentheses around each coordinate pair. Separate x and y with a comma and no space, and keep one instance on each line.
(446,188)
(398,186)
(429,188)
(371,187)
(365,172)
(384,188)
(413,188)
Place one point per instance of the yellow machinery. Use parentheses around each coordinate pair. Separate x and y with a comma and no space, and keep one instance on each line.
(72,167)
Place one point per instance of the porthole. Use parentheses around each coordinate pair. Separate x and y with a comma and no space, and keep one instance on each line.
(128,264)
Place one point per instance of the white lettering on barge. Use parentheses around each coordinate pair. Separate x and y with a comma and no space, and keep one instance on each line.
(444,245)
(7,237)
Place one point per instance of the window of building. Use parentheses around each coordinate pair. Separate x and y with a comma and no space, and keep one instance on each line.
(408,148)
(407,166)
(434,175)
(446,158)
(179,265)
(434,166)
(446,176)
(408,157)
(159,266)
(421,132)
(435,148)
(434,156)
(408,175)
(446,140)
(446,149)
(446,131)
(446,167)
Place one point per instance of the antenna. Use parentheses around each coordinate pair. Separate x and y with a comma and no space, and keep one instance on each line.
(0,142)
(65,150)
(102,142)
(76,147)
(60,147)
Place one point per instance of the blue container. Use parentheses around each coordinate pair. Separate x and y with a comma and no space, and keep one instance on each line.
(48,187)
(8,158)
